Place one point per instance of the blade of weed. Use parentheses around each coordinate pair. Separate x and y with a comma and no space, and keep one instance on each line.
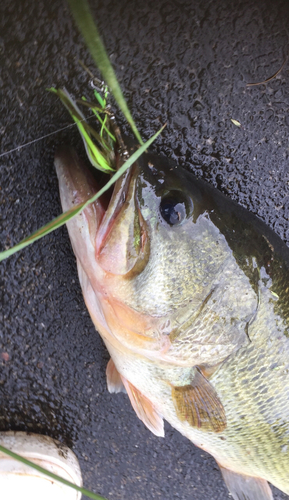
(66,216)
(100,100)
(83,18)
(95,156)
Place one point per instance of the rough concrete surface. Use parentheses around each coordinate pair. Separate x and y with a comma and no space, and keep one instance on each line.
(183,62)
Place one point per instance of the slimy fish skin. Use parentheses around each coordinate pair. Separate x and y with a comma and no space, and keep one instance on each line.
(190,293)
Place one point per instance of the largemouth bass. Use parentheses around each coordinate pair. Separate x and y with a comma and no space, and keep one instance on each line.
(190,293)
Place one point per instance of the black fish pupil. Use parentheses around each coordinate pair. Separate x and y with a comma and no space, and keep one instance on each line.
(173,212)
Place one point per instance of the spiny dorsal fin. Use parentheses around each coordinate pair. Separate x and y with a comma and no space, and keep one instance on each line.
(113,379)
(198,404)
(244,487)
(144,409)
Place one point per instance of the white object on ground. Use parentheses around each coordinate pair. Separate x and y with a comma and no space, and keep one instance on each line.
(20,482)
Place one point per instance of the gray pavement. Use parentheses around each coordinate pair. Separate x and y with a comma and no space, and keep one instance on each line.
(181,62)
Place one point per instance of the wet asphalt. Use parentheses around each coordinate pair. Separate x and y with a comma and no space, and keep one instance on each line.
(185,63)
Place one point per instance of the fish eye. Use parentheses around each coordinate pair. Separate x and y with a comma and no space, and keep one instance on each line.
(174,208)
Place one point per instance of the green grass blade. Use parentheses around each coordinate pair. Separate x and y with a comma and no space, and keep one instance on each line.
(103,127)
(83,18)
(100,99)
(66,216)
(84,491)
(95,156)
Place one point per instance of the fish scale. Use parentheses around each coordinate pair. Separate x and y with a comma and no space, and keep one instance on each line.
(258,432)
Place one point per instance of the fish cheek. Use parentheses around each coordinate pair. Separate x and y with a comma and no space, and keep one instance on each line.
(199,405)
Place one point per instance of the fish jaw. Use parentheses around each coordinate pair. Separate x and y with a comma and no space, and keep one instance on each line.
(76,186)
(122,243)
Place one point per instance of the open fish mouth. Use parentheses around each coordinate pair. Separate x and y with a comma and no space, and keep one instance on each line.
(116,226)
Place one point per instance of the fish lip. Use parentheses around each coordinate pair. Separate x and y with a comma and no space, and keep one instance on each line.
(116,202)
(122,240)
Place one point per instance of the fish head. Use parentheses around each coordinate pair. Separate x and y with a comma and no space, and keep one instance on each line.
(156,272)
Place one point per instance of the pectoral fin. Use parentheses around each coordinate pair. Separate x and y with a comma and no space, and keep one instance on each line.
(199,405)
(244,487)
(144,409)
(113,379)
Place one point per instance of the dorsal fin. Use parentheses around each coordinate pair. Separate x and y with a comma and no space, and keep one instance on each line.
(113,379)
(144,409)
(199,405)
(244,487)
